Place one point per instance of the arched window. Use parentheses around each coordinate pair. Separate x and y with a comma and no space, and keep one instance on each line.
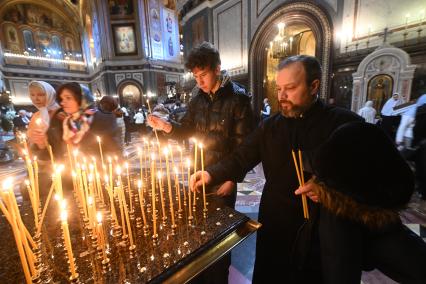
(29,41)
(56,47)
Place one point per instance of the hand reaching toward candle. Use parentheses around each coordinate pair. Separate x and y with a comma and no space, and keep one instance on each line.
(159,123)
(196,182)
(226,188)
(311,190)
(38,137)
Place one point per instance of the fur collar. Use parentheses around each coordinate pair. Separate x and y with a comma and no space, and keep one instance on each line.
(373,217)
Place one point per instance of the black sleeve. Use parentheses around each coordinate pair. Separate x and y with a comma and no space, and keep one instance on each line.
(243,159)
(186,127)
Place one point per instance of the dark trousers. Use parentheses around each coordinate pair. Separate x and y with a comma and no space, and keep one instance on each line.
(348,248)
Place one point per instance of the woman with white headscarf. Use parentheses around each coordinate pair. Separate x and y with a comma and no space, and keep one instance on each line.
(404,134)
(43,97)
(368,112)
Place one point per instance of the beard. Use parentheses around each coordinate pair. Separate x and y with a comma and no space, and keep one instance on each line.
(290,110)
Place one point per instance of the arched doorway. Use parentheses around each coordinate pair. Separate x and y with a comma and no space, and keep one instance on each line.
(130,94)
(310,28)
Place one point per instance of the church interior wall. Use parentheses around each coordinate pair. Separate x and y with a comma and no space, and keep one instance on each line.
(112,37)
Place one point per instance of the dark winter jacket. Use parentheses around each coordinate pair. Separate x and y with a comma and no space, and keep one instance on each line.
(220,121)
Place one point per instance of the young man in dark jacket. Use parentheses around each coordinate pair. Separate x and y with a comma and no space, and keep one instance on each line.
(219,116)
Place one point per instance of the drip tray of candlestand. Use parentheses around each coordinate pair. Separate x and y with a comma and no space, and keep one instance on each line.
(176,258)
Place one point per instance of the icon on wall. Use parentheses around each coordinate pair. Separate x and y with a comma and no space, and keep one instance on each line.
(124,39)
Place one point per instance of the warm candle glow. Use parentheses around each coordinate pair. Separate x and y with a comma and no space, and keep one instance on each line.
(139,183)
(98,139)
(64,216)
(38,121)
(7,184)
(99,217)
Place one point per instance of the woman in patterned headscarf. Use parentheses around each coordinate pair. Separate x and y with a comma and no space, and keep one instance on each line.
(78,123)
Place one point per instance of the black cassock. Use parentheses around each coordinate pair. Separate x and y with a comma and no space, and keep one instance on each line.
(280,211)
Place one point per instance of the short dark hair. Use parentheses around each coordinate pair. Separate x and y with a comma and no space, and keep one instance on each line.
(311,64)
(202,56)
(108,103)
(74,88)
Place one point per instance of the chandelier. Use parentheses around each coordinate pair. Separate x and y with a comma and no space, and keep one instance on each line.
(282,44)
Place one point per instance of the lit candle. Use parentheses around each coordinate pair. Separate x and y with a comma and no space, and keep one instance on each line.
(126,165)
(202,176)
(100,149)
(160,185)
(10,215)
(154,221)
(141,201)
(195,168)
(120,201)
(101,236)
(188,163)
(58,180)
(177,186)
(169,186)
(126,213)
(68,246)
(36,184)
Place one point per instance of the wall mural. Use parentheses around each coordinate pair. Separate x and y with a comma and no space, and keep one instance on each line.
(36,30)
(379,90)
(120,9)
(171,47)
(155,28)
(124,39)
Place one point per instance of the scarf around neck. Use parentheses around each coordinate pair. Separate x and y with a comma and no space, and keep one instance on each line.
(76,125)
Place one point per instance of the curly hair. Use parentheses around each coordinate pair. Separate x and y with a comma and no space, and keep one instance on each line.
(202,56)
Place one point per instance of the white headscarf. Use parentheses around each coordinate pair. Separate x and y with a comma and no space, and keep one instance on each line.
(387,109)
(51,104)
(368,112)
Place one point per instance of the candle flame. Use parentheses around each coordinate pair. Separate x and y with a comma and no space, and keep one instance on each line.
(35,158)
(188,162)
(7,184)
(109,159)
(75,152)
(64,216)
(98,138)
(200,145)
(159,175)
(27,182)
(118,170)
(99,217)
(63,204)
(38,121)
(179,148)
(175,170)
(166,151)
(56,197)
(194,140)
(152,156)
(126,165)
(139,183)
(90,200)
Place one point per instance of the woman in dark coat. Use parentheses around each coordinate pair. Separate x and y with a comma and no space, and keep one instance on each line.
(78,124)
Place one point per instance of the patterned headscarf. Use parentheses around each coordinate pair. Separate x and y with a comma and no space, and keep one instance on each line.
(77,124)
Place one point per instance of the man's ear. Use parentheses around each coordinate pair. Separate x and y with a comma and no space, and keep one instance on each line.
(315,86)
